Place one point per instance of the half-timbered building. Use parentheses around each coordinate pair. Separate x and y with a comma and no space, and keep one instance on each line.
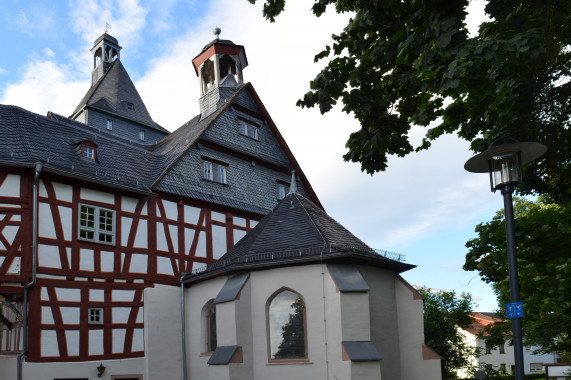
(107,219)
(101,209)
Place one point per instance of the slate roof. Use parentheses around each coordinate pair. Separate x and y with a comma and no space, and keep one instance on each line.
(295,232)
(28,138)
(109,93)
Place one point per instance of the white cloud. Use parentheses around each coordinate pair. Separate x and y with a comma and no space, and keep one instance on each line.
(3,71)
(89,17)
(49,52)
(44,87)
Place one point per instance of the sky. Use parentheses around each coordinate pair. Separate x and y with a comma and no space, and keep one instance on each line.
(425,206)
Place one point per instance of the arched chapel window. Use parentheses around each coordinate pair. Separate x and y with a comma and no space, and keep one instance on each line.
(286,322)
(209,326)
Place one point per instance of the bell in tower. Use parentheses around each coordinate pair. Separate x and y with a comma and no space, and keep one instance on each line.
(219,68)
(105,50)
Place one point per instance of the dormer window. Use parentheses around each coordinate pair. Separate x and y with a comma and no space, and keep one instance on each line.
(88,150)
(142,135)
(249,129)
(214,171)
(129,106)
(109,124)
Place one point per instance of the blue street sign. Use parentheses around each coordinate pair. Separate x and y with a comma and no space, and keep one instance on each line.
(514,310)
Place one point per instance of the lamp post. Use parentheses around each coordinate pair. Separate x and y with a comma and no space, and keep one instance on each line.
(504,163)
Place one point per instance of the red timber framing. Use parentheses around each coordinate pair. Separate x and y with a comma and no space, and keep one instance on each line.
(15,242)
(151,229)
(45,300)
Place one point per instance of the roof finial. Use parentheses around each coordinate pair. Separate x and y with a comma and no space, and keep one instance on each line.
(292,185)
(107,27)
(216,32)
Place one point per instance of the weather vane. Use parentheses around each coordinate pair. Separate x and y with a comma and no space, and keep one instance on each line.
(107,27)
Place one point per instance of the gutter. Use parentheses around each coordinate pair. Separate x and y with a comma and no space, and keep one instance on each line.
(67,174)
(27,288)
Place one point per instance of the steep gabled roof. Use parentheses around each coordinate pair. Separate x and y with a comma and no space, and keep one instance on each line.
(295,232)
(174,146)
(111,92)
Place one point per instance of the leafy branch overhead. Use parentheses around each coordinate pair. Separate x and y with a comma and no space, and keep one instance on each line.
(398,64)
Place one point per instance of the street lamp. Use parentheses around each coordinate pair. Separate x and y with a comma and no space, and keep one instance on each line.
(504,163)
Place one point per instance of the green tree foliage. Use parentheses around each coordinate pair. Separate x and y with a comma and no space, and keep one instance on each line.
(403,63)
(443,314)
(543,238)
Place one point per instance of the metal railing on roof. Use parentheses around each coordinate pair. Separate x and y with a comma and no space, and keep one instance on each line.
(301,252)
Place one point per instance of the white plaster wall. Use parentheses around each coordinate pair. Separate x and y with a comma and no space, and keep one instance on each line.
(218,240)
(45,221)
(495,358)
(191,214)
(244,328)
(530,357)
(308,282)
(472,342)
(196,298)
(411,335)
(63,192)
(66,217)
(384,319)
(226,333)
(355,316)
(366,371)
(40,371)
(163,341)
(171,210)
(11,186)
(129,204)
(97,196)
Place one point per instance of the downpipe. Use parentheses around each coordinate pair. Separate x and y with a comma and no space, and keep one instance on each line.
(183,328)
(28,286)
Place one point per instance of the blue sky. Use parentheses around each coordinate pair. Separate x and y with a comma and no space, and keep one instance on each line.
(424,206)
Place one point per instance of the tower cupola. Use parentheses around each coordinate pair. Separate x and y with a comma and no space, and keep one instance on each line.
(105,50)
(219,67)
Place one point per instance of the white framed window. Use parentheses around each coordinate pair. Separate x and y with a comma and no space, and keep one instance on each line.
(142,135)
(95,316)
(109,124)
(214,172)
(535,367)
(88,152)
(249,130)
(96,224)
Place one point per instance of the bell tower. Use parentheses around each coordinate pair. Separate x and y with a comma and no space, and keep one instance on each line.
(105,50)
(219,69)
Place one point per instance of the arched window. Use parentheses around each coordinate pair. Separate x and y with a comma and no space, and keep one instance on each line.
(209,326)
(286,324)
